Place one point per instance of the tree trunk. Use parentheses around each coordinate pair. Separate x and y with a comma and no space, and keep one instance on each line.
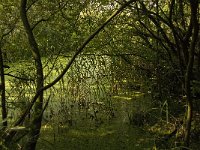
(2,90)
(36,117)
(188,76)
(188,120)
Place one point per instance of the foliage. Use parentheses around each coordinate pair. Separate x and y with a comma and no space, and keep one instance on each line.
(148,55)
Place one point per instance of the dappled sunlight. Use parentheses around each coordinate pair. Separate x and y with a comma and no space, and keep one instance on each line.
(122,97)
(129,96)
(90,133)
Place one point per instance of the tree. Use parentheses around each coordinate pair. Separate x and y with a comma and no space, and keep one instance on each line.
(37,101)
(7,27)
(36,119)
(178,27)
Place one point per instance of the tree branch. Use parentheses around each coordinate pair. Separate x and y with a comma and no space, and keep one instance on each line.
(20,78)
(41,20)
(31,5)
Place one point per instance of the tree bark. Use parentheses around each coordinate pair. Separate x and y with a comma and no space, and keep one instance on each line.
(36,117)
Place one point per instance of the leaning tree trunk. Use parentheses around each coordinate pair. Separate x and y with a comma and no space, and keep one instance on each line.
(36,117)
(188,76)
